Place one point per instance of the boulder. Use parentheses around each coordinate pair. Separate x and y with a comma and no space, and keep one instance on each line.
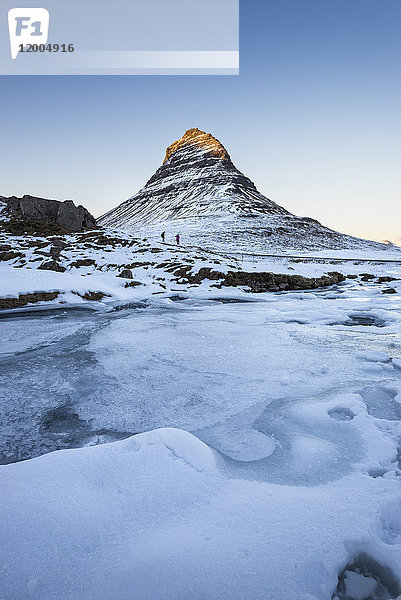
(10,255)
(51,265)
(366,276)
(93,296)
(126,274)
(386,279)
(74,218)
(65,214)
(83,262)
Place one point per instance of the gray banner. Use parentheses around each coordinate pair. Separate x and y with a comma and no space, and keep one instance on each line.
(122,37)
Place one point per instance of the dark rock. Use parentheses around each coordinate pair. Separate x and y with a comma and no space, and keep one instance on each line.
(366,276)
(130,284)
(51,265)
(54,252)
(103,240)
(20,226)
(83,262)
(10,255)
(389,291)
(271,282)
(337,275)
(206,273)
(58,244)
(74,218)
(66,215)
(126,274)
(24,299)
(262,282)
(93,296)
(135,265)
(386,279)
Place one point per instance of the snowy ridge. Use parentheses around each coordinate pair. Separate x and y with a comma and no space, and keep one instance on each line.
(200,193)
(264,234)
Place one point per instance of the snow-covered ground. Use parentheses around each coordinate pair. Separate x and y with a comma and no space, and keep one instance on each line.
(269,463)
(156,516)
(154,266)
(263,234)
(162,438)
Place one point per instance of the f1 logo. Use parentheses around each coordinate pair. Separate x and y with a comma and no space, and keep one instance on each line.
(27,25)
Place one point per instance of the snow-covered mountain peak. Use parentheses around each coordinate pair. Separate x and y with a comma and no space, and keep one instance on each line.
(197,179)
(200,193)
(202,142)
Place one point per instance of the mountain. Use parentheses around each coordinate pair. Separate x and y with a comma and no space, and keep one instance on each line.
(198,192)
(197,178)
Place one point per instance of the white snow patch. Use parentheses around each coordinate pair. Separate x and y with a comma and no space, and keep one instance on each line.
(358,586)
(373,356)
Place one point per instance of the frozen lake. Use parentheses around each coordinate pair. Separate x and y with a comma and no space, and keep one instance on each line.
(298,391)
(240,375)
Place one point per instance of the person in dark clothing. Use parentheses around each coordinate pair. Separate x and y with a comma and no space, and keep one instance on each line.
(163,236)
(177,239)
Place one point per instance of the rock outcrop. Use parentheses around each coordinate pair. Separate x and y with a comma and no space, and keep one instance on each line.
(65,215)
(24,299)
(259,282)
(51,265)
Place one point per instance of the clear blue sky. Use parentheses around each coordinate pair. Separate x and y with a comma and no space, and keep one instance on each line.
(314,119)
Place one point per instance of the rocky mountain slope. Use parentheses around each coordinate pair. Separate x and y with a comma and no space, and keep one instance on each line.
(199,193)
(197,178)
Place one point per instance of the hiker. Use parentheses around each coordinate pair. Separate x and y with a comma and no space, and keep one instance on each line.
(177,239)
(163,236)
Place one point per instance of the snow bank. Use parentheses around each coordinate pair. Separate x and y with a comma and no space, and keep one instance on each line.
(153,517)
